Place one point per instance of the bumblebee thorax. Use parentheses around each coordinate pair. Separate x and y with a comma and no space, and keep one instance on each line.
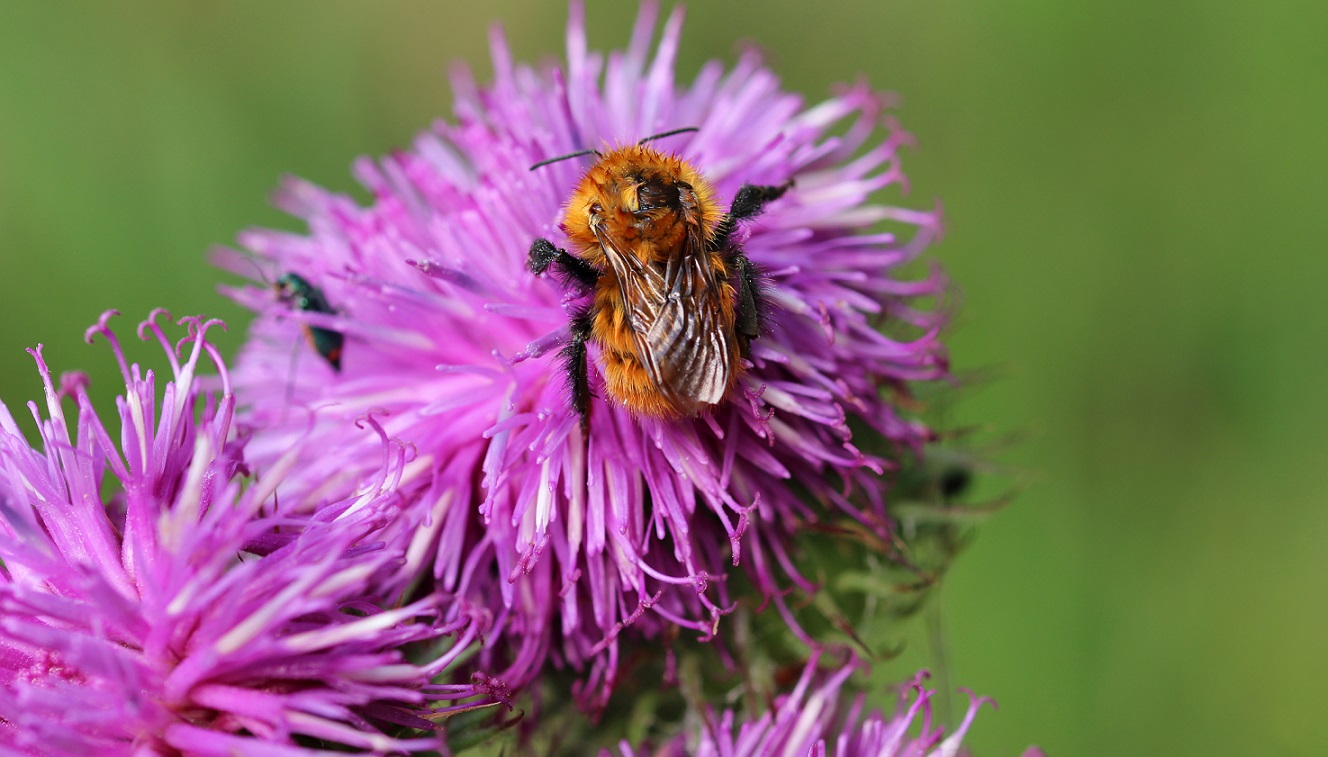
(638,194)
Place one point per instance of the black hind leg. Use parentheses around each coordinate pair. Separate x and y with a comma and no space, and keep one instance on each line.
(743,274)
(574,363)
(750,201)
(751,302)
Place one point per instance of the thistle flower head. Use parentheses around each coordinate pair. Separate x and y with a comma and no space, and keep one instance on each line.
(170,607)
(574,535)
(815,718)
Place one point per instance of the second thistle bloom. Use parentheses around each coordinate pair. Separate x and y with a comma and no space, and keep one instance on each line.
(636,519)
(169,613)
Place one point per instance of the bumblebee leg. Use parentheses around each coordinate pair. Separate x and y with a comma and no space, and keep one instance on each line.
(752,198)
(574,362)
(543,255)
(749,202)
(751,302)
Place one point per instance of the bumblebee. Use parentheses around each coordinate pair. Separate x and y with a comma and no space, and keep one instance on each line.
(676,303)
(296,291)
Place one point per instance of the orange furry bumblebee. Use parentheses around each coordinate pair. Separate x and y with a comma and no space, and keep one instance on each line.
(675,305)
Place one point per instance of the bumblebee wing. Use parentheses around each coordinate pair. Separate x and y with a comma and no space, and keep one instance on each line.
(675,322)
(686,342)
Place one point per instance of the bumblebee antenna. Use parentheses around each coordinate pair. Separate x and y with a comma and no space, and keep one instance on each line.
(663,134)
(568,156)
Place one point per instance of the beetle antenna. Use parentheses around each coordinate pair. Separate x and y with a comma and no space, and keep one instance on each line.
(261,273)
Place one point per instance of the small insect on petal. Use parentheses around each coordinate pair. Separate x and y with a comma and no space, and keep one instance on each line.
(296,291)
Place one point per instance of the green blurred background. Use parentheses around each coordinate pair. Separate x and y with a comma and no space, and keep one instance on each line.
(1134,195)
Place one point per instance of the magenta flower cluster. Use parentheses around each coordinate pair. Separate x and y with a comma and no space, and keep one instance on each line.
(638,521)
(188,612)
(389,513)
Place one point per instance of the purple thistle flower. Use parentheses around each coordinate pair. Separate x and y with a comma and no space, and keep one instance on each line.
(449,333)
(179,615)
(813,719)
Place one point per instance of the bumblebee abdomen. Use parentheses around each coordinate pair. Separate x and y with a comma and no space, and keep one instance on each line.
(627,381)
(689,380)
(609,320)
